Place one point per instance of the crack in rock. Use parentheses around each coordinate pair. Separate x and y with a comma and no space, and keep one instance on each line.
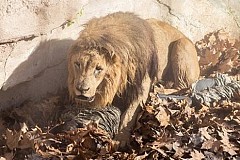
(169,9)
(235,17)
(22,38)
(4,70)
(171,13)
(235,20)
(29,37)
(32,36)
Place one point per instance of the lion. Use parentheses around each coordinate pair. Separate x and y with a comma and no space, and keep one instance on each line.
(117,58)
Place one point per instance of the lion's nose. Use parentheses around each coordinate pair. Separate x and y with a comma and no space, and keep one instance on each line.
(83,89)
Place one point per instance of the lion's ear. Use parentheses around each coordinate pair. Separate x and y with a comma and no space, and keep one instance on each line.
(111,53)
(106,52)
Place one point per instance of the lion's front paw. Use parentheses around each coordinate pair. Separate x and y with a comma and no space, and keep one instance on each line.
(122,140)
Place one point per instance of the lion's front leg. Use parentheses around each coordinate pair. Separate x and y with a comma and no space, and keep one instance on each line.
(129,117)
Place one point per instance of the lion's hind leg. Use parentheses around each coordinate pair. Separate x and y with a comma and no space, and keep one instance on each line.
(184,63)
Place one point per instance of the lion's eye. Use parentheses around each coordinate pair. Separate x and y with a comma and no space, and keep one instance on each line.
(77,65)
(98,69)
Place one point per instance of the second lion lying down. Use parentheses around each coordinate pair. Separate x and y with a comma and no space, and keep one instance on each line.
(116,59)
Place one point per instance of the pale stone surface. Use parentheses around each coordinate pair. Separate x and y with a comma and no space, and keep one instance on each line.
(21,18)
(196,18)
(35,35)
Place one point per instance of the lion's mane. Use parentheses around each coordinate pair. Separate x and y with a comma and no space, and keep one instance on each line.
(130,44)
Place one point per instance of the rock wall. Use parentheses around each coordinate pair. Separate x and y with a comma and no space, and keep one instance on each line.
(35,36)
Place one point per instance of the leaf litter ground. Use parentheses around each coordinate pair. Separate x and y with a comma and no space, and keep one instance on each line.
(167,128)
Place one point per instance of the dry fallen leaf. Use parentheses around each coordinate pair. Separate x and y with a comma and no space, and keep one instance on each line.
(227,147)
(85,142)
(205,133)
(163,117)
(196,155)
(12,139)
(208,144)
(141,157)
(218,53)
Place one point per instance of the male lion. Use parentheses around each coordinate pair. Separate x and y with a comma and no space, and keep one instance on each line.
(117,57)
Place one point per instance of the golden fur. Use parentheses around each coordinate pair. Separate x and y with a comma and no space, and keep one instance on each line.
(117,57)
(127,62)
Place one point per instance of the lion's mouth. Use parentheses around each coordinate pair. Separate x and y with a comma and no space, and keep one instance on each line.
(84,98)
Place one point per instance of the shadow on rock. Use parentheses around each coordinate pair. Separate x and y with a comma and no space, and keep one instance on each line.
(44,73)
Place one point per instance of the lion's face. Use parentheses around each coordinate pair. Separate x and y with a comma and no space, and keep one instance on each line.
(88,71)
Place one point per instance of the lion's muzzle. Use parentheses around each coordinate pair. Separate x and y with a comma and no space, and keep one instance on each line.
(82,93)
(82,88)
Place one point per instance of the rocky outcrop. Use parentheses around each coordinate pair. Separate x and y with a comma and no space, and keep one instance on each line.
(35,36)
(196,18)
